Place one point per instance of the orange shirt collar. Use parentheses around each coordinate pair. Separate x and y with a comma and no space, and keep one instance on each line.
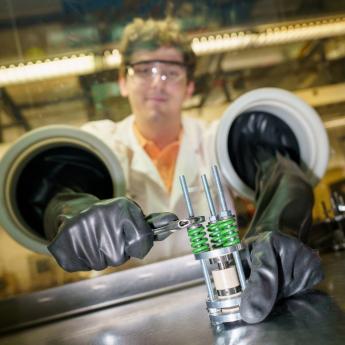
(150,147)
(163,159)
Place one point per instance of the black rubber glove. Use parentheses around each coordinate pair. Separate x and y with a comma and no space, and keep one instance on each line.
(56,169)
(96,234)
(281,264)
(284,199)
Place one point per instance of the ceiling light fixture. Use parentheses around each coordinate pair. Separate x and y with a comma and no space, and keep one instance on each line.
(219,42)
(268,36)
(112,58)
(49,68)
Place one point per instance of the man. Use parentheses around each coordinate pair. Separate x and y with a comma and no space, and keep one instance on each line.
(155,145)
(156,74)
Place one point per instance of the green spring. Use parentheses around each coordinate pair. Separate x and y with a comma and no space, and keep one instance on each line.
(224,233)
(198,239)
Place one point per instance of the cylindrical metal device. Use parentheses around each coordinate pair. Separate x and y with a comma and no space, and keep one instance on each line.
(226,289)
(217,249)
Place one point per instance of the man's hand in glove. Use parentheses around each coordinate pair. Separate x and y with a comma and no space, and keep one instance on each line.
(105,233)
(281,266)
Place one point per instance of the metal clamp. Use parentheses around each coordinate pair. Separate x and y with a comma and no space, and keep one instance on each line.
(163,232)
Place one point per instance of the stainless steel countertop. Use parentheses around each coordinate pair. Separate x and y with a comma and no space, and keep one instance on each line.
(179,317)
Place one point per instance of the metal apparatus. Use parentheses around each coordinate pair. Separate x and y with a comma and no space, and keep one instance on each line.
(161,233)
(217,248)
(335,220)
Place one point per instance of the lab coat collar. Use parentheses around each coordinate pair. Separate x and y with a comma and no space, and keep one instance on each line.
(140,161)
(190,152)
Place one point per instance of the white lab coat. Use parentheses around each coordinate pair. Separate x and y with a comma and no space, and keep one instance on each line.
(144,184)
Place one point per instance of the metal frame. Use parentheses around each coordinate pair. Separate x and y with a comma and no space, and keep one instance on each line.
(98,293)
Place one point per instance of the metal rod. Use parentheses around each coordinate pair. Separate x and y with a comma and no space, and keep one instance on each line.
(239,268)
(207,280)
(186,195)
(219,188)
(208,195)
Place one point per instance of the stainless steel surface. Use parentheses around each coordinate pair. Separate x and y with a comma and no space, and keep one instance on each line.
(101,292)
(180,317)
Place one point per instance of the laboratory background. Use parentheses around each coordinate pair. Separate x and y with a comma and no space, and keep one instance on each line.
(59,65)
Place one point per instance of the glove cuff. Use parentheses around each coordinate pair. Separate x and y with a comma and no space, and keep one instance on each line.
(64,204)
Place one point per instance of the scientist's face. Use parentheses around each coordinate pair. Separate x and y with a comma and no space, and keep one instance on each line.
(156,84)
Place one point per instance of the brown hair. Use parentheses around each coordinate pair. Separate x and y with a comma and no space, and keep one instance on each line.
(151,35)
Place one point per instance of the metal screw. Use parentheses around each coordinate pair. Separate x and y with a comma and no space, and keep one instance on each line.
(186,195)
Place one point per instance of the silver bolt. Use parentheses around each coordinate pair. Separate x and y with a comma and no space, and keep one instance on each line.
(219,188)
(186,195)
(208,196)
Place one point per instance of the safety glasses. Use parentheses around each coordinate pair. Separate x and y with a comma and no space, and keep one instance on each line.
(149,70)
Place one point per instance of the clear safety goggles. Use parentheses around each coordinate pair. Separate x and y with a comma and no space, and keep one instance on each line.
(146,71)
